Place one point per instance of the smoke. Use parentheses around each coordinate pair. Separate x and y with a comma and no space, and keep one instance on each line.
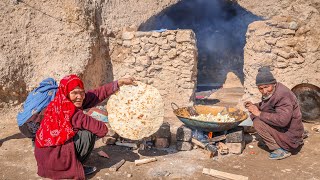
(220,27)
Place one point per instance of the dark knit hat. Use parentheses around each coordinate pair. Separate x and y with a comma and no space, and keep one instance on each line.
(264,76)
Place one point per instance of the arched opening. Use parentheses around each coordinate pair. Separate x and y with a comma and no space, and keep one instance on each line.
(220,27)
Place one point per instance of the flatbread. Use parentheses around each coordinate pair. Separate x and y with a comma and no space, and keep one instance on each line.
(135,112)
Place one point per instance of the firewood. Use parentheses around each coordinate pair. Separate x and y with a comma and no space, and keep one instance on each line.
(117,166)
(223,175)
(131,145)
(198,143)
(144,161)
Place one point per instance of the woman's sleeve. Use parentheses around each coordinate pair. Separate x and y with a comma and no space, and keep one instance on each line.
(95,96)
(82,121)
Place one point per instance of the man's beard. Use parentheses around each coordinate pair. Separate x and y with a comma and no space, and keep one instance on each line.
(269,96)
(266,97)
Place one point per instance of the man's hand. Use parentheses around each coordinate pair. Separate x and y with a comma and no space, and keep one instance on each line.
(252,108)
(247,104)
(126,81)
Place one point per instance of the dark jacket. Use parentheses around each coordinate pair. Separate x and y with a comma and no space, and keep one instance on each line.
(60,162)
(282,112)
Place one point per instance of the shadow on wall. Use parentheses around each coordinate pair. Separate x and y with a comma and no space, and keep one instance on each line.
(220,27)
(99,69)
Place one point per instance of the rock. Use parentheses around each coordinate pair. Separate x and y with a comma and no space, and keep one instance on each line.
(187,85)
(154,54)
(130,60)
(135,41)
(171,38)
(184,146)
(119,42)
(302,30)
(164,131)
(143,74)
(282,53)
(184,134)
(298,60)
(280,63)
(172,53)
(235,135)
(293,25)
(283,25)
(126,43)
(145,39)
(161,42)
(136,48)
(173,44)
(165,33)
(261,46)
(127,35)
(162,142)
(161,53)
(271,41)
(166,47)
(184,36)
(155,34)
(236,148)
(147,47)
(152,40)
(129,175)
(288,32)
(139,68)
(143,60)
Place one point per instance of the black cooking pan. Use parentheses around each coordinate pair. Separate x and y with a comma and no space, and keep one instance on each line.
(184,115)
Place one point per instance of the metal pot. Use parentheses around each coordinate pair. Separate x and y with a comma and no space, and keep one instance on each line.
(308,96)
(184,115)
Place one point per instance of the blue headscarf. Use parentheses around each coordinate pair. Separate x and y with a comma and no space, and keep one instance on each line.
(37,100)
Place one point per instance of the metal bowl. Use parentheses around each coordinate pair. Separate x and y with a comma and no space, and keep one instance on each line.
(184,115)
(308,96)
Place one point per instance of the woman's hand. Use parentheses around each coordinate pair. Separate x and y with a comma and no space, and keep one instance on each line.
(126,81)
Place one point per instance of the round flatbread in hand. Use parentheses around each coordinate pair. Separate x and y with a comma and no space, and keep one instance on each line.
(135,112)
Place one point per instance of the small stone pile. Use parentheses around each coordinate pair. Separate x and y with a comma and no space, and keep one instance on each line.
(232,142)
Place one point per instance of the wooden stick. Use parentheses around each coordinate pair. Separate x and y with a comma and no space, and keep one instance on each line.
(223,175)
(198,143)
(144,161)
(117,166)
(222,148)
(131,145)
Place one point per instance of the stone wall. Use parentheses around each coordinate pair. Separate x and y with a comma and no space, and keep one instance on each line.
(289,43)
(166,60)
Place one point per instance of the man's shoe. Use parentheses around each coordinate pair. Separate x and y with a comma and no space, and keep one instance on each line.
(89,170)
(279,154)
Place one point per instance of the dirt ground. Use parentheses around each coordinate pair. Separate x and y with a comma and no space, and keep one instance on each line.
(17,159)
